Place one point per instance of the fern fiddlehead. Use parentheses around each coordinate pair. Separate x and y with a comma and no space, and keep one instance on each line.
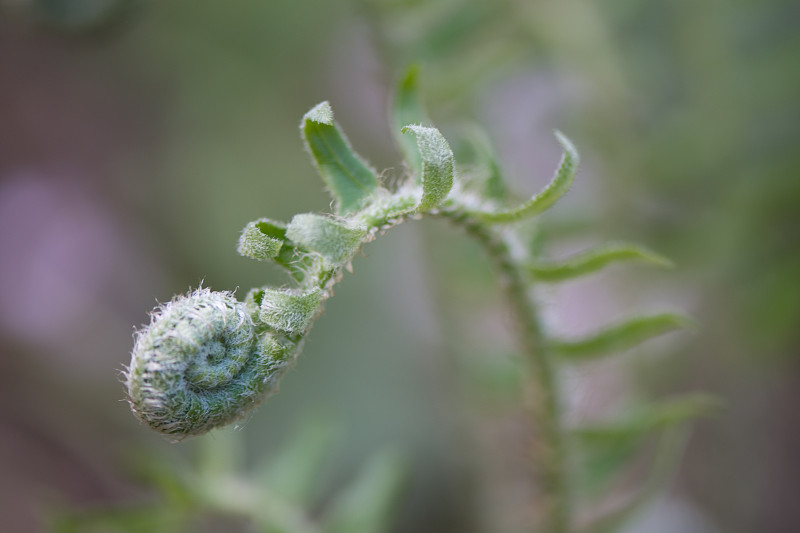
(206,359)
(201,363)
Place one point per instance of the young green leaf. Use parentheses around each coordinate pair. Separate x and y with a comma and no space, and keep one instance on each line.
(437,165)
(289,310)
(494,186)
(366,506)
(217,457)
(558,187)
(347,176)
(597,466)
(336,242)
(262,239)
(619,337)
(408,109)
(606,447)
(592,260)
(294,472)
(266,239)
(671,446)
(662,415)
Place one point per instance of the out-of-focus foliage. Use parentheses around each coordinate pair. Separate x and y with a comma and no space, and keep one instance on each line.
(279,495)
(80,16)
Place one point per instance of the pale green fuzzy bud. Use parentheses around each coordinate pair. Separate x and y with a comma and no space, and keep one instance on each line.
(262,239)
(335,241)
(252,302)
(289,310)
(200,364)
(438,165)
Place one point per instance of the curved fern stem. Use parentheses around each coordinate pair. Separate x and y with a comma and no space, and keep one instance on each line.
(550,453)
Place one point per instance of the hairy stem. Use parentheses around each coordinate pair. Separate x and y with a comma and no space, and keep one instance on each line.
(549,452)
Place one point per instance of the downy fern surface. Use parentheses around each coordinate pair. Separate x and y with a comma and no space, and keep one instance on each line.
(206,359)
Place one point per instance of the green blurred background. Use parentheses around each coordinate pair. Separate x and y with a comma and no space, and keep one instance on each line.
(137,138)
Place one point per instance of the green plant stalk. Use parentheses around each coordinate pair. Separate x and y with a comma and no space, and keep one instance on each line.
(550,452)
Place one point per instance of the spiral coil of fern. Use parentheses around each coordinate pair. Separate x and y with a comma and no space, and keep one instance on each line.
(201,363)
